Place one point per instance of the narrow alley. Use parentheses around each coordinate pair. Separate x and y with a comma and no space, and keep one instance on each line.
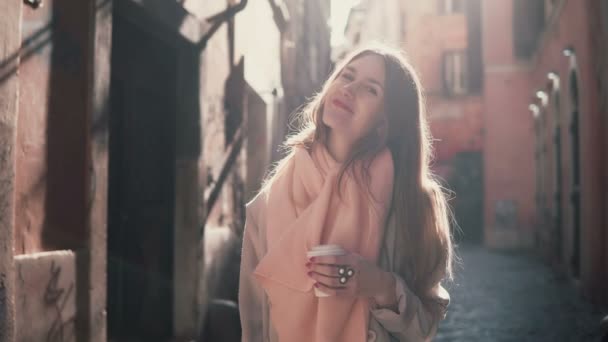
(508,296)
(134,134)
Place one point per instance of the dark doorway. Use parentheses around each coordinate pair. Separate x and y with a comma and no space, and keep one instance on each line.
(557,142)
(466,180)
(575,195)
(141,184)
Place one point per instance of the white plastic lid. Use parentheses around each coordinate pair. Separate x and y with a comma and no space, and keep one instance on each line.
(322,250)
(326,247)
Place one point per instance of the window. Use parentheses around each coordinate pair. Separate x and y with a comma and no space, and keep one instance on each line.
(455,73)
(452,6)
(528,25)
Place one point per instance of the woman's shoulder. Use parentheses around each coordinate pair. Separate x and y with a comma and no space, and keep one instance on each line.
(381,172)
(258,201)
(256,207)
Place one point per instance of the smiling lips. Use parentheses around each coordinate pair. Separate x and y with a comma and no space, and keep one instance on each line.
(342,105)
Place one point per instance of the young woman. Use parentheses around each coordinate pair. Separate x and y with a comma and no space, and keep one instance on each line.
(356,176)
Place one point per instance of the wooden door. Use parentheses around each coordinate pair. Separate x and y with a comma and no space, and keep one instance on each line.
(142,160)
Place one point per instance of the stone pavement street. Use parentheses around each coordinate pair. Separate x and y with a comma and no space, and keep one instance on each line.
(500,296)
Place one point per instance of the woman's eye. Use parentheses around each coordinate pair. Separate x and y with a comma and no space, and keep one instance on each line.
(347,76)
(372,90)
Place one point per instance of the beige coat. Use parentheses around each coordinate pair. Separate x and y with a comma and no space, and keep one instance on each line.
(412,322)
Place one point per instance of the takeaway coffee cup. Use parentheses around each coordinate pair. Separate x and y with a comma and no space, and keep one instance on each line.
(324,250)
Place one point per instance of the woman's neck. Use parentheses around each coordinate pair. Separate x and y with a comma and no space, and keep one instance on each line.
(338,147)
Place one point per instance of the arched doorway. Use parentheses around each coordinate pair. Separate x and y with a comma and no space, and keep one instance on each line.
(557,144)
(575,193)
(466,180)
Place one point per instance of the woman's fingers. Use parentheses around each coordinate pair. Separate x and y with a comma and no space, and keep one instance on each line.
(334,265)
(326,270)
(335,275)
(333,290)
(326,281)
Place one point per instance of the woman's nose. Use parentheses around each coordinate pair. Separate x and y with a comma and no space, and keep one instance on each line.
(349,89)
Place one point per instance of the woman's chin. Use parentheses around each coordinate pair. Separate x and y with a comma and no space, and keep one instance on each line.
(336,119)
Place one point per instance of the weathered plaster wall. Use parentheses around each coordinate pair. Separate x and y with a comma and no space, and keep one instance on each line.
(10,40)
(50,175)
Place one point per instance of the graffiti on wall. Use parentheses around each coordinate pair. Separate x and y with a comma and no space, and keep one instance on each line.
(56,298)
(45,295)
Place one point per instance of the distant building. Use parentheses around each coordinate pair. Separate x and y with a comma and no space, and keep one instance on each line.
(517,93)
(442,39)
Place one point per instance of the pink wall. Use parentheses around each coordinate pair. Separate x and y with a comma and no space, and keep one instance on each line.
(573,29)
(509,132)
(426,44)
(510,140)
(497,33)
(50,150)
(456,122)
(508,157)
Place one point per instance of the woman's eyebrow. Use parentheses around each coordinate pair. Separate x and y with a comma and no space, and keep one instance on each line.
(376,82)
(369,79)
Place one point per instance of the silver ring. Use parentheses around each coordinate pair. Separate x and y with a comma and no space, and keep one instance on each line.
(342,270)
(343,280)
(350,272)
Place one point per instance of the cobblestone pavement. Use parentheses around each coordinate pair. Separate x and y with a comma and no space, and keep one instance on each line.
(514,297)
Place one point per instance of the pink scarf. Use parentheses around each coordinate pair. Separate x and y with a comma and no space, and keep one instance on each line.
(304,210)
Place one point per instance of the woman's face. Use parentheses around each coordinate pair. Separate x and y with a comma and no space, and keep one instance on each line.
(354,101)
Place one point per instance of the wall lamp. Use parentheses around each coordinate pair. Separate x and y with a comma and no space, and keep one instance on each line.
(554,78)
(542,96)
(534,109)
(568,51)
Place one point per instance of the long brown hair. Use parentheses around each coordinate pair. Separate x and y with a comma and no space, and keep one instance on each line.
(419,206)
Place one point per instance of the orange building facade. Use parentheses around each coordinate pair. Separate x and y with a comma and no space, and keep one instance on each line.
(517,98)
(546,128)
